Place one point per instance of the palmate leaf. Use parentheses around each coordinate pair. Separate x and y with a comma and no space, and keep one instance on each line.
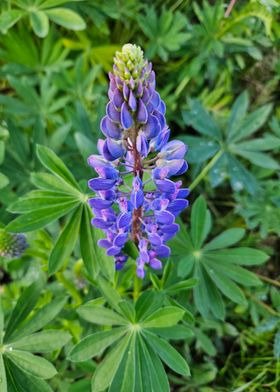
(231,140)
(60,195)
(262,210)
(23,370)
(133,363)
(216,265)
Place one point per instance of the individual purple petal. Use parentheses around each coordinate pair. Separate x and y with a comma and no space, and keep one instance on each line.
(126,91)
(113,251)
(156,264)
(155,239)
(107,172)
(160,118)
(173,228)
(126,117)
(120,239)
(152,127)
(117,98)
(178,205)
(164,217)
(155,99)
(140,272)
(132,101)
(142,144)
(110,129)
(112,113)
(139,91)
(173,150)
(115,148)
(100,184)
(183,169)
(97,161)
(161,107)
(183,193)
(137,199)
(166,186)
(104,243)
(162,251)
(124,220)
(146,95)
(142,114)
(99,203)
(101,223)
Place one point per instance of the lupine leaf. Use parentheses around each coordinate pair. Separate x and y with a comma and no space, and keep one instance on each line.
(40,23)
(100,315)
(95,344)
(168,354)
(42,316)
(3,378)
(106,371)
(40,218)
(65,242)
(32,364)
(225,239)
(66,18)
(164,317)
(44,341)
(51,161)
(24,305)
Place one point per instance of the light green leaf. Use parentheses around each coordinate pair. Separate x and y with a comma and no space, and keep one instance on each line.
(198,221)
(66,18)
(32,364)
(4,181)
(42,342)
(106,371)
(201,120)
(168,354)
(258,158)
(236,273)
(252,122)
(53,163)
(164,317)
(37,199)
(95,344)
(238,112)
(100,315)
(37,219)
(241,256)
(40,23)
(65,242)
(3,378)
(227,287)
(9,18)
(225,239)
(124,380)
(52,183)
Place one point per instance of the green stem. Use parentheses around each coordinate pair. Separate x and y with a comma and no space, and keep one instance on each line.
(205,170)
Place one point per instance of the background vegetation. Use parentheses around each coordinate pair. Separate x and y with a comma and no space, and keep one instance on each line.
(218,71)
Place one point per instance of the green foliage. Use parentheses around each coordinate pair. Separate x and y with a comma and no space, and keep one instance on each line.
(215,264)
(68,321)
(20,339)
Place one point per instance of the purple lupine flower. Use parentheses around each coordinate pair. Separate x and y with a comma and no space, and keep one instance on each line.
(12,245)
(135,197)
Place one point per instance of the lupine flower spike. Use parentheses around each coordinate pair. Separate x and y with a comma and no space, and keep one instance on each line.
(135,197)
(12,245)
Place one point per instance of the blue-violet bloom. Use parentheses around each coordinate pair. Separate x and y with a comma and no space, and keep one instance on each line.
(135,197)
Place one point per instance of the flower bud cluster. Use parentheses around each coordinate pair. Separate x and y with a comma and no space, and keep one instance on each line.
(12,245)
(135,197)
